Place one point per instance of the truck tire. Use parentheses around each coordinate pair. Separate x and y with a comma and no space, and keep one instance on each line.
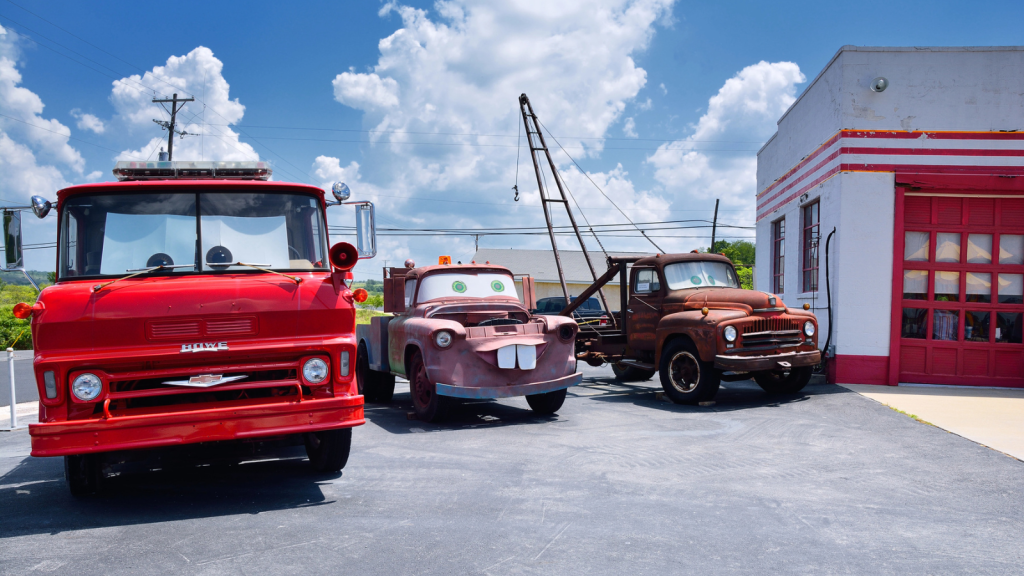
(328,449)
(373,385)
(686,378)
(428,405)
(83,474)
(779,382)
(548,402)
(631,373)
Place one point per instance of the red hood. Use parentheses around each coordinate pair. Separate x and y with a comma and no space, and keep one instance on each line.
(142,312)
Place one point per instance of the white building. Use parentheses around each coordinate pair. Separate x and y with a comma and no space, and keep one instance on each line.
(922,183)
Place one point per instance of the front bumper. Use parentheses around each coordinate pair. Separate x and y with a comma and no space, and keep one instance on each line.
(156,430)
(509,391)
(763,363)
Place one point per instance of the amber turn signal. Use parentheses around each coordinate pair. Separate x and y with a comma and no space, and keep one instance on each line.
(807,306)
(359,294)
(22,310)
(705,310)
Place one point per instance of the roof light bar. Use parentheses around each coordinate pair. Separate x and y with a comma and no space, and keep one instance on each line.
(129,170)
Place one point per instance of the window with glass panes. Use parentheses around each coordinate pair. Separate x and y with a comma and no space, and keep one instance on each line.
(809,217)
(779,256)
(962,301)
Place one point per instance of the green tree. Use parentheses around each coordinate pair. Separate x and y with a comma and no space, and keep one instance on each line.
(741,252)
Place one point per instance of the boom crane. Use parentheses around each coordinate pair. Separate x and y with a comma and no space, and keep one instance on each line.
(535,139)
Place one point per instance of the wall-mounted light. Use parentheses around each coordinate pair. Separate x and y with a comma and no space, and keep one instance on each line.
(803,197)
(879,84)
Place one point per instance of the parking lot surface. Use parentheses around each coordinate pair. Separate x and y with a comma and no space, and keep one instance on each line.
(619,482)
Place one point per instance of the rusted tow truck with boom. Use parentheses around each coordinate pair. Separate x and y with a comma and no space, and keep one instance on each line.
(195,303)
(683,316)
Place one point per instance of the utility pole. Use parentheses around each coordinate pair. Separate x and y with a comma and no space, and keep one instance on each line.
(714,226)
(169,126)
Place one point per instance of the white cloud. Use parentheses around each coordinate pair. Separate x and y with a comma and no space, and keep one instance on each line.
(646,105)
(47,137)
(197,73)
(742,114)
(629,128)
(663,89)
(444,82)
(88,122)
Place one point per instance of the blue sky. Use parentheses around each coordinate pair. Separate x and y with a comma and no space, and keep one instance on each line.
(663,103)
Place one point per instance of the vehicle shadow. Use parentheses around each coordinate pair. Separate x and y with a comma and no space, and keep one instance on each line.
(741,395)
(398,417)
(35,498)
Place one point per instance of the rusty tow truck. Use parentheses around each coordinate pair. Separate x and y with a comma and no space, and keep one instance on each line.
(685,317)
(460,331)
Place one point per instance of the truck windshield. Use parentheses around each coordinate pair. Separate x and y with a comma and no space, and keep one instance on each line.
(700,274)
(465,285)
(114,234)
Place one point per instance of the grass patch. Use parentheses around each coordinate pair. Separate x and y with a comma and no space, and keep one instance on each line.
(15,333)
(911,416)
(363,315)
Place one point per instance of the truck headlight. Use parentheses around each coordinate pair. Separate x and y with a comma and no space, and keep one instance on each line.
(86,387)
(314,370)
(443,339)
(566,332)
(730,333)
(809,328)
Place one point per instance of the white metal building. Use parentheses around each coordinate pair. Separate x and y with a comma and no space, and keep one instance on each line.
(922,183)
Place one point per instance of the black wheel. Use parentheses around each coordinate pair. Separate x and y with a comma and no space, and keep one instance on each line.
(625,373)
(685,377)
(373,385)
(429,406)
(82,473)
(328,449)
(547,403)
(784,382)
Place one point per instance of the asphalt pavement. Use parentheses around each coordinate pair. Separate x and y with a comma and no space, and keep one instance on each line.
(619,482)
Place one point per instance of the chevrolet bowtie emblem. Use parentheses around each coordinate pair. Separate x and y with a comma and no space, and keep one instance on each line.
(204,380)
(204,347)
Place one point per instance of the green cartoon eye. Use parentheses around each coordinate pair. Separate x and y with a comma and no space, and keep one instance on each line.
(497,286)
(711,279)
(459,286)
(695,280)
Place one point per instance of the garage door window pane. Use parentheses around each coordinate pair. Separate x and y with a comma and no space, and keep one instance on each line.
(1008,327)
(947,247)
(976,326)
(1011,249)
(947,286)
(915,320)
(979,287)
(945,325)
(915,284)
(916,246)
(1011,288)
(979,248)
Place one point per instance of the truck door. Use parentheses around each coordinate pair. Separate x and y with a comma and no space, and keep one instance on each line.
(644,307)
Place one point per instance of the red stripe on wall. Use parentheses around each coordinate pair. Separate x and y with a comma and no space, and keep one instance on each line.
(931,151)
(803,177)
(851,369)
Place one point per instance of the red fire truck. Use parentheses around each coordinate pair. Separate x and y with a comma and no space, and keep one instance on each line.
(195,302)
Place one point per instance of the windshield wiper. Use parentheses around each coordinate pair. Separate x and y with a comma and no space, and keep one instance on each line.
(138,272)
(257,267)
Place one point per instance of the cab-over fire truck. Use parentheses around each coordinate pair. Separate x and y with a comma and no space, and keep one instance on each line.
(195,302)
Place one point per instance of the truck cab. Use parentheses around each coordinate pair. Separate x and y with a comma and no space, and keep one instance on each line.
(460,331)
(194,303)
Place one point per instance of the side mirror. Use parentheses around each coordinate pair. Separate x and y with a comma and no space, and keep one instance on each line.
(366,230)
(13,254)
(40,206)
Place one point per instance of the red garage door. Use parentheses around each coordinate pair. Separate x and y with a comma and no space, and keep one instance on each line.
(958,297)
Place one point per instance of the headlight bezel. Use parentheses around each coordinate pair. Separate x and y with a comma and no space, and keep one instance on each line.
(730,334)
(809,329)
(316,363)
(443,339)
(566,332)
(79,382)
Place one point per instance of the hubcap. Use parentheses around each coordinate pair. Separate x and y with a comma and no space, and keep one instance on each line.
(684,371)
(421,386)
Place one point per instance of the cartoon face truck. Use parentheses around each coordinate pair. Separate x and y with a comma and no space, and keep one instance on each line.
(195,302)
(460,331)
(685,317)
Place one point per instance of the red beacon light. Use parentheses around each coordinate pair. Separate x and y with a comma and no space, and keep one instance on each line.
(22,310)
(184,170)
(359,295)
